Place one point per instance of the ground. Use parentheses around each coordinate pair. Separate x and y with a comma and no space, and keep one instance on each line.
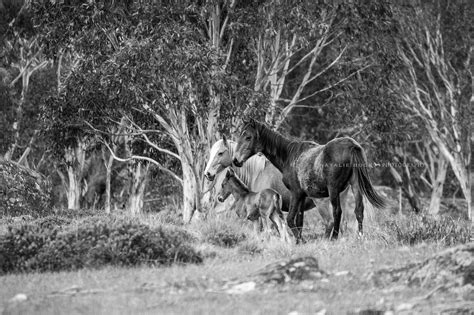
(347,286)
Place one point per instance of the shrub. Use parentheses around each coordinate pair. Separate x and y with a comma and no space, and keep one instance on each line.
(80,213)
(415,229)
(45,248)
(52,221)
(23,191)
(251,246)
(170,216)
(223,233)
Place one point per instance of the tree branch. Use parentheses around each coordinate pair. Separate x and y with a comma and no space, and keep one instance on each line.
(144,158)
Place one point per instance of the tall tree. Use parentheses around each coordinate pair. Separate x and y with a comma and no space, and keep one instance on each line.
(436,85)
(154,68)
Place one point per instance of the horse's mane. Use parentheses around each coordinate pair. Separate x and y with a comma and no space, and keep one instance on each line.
(283,147)
(251,168)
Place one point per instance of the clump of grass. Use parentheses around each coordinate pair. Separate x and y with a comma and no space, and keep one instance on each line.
(169,216)
(251,246)
(414,229)
(39,247)
(79,213)
(222,232)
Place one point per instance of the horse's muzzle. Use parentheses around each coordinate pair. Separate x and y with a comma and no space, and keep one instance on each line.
(237,163)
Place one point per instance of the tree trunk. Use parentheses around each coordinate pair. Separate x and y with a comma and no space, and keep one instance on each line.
(412,198)
(108,176)
(137,188)
(460,169)
(16,124)
(189,198)
(438,184)
(75,160)
(73,190)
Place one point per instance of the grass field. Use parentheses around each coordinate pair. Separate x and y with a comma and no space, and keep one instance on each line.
(203,289)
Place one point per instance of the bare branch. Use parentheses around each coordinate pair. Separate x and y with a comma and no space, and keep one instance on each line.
(144,158)
(153,145)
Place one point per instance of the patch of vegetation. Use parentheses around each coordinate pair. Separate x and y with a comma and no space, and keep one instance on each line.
(23,191)
(223,233)
(414,229)
(80,213)
(170,215)
(30,248)
(251,247)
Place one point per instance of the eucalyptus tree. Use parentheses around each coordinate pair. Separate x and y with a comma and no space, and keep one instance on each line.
(151,70)
(25,75)
(436,83)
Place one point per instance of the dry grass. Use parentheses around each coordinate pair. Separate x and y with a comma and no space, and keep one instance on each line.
(198,289)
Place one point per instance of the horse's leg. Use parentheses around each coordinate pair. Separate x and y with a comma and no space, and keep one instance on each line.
(295,208)
(277,219)
(359,203)
(267,226)
(336,211)
(299,223)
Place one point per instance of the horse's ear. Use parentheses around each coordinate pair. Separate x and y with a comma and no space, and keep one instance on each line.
(224,139)
(230,172)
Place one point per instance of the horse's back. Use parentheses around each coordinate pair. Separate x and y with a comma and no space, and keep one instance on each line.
(338,150)
(319,163)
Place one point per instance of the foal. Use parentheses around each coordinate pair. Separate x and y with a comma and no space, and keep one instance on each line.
(265,204)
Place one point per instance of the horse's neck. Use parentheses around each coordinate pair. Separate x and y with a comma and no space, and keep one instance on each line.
(239,189)
(243,172)
(276,148)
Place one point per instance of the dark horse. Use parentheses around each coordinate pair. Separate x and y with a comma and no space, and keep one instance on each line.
(312,170)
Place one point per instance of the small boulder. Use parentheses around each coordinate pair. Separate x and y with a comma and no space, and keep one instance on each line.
(299,271)
(451,268)
(294,270)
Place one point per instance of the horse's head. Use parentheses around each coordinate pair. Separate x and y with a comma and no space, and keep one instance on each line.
(219,159)
(248,143)
(226,188)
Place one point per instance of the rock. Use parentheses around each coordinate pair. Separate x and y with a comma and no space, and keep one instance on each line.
(404,307)
(303,271)
(452,268)
(369,311)
(20,297)
(23,191)
(294,270)
(321,312)
(341,273)
(242,288)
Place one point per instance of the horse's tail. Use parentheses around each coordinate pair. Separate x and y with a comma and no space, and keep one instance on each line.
(359,166)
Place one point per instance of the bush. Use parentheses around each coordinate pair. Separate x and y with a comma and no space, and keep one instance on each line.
(169,216)
(415,229)
(23,191)
(80,213)
(223,233)
(251,247)
(52,221)
(44,248)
